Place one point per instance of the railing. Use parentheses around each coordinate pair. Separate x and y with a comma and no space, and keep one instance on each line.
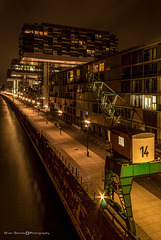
(85,181)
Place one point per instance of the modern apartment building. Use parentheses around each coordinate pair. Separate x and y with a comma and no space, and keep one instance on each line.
(64,45)
(60,47)
(134,74)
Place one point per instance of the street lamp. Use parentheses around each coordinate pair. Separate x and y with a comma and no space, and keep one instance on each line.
(60,114)
(46,119)
(87,123)
(38,108)
(33,102)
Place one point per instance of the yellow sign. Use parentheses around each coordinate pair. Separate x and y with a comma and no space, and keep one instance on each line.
(142,150)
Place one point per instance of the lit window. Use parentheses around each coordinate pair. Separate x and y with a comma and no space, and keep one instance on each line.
(149,102)
(86,114)
(70,76)
(78,72)
(121,141)
(95,68)
(109,136)
(89,51)
(101,67)
(90,68)
(154,53)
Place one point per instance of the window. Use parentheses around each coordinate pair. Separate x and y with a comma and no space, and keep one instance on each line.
(90,68)
(137,71)
(90,52)
(137,56)
(150,85)
(101,67)
(86,114)
(137,86)
(109,135)
(121,141)
(78,72)
(149,102)
(150,69)
(71,76)
(146,55)
(154,53)
(95,68)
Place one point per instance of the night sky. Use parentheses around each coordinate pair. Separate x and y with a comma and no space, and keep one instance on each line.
(133,21)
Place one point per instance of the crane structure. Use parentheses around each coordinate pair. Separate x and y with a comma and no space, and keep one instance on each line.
(120,171)
(105,97)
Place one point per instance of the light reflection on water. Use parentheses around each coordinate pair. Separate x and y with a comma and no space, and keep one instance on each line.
(28,201)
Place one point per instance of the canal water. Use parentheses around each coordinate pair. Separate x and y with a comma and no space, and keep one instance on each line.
(29,205)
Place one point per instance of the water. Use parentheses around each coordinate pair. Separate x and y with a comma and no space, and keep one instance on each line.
(29,205)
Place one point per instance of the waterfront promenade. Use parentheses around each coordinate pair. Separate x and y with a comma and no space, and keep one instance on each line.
(146,206)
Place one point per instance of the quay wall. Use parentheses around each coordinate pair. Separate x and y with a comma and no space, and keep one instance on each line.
(76,192)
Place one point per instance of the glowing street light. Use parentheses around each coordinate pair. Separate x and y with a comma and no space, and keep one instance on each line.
(103,202)
(46,107)
(33,102)
(87,124)
(38,108)
(60,114)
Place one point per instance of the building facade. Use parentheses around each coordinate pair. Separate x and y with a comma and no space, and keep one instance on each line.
(57,42)
(134,74)
(60,47)
(26,78)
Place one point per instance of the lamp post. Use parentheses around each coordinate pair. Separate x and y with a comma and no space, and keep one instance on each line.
(60,114)
(29,101)
(46,119)
(87,123)
(33,102)
(38,108)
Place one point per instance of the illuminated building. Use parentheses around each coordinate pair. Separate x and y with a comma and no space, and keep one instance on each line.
(134,74)
(61,47)
(26,78)
(64,44)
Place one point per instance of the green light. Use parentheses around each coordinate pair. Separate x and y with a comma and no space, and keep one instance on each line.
(103,202)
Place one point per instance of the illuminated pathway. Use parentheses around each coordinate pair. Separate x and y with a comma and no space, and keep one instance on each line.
(146,206)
